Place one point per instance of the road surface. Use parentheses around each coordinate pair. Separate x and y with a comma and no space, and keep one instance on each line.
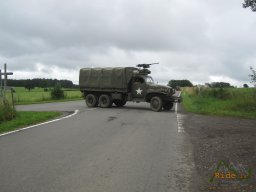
(125,149)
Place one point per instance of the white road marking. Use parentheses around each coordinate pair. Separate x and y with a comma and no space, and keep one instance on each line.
(44,123)
(180,123)
(179,118)
(176,104)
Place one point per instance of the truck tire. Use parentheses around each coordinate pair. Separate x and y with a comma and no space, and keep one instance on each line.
(156,104)
(167,106)
(91,100)
(105,101)
(119,103)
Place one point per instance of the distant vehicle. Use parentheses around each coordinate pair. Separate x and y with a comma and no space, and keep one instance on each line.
(104,86)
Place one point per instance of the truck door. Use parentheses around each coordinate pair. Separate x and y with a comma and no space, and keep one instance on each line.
(138,87)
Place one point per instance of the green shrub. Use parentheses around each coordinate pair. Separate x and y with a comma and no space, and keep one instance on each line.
(7,112)
(57,92)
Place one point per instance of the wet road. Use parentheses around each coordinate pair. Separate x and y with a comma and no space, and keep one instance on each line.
(112,150)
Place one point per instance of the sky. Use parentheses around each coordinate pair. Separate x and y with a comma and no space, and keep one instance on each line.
(202,41)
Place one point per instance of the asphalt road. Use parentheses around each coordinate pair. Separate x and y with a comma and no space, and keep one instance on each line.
(111,150)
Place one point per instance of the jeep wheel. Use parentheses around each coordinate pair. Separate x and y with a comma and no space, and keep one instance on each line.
(168,106)
(91,100)
(156,104)
(105,101)
(119,103)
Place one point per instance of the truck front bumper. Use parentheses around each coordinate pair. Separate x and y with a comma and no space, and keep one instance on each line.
(172,98)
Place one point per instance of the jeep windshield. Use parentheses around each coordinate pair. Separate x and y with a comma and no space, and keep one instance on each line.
(149,79)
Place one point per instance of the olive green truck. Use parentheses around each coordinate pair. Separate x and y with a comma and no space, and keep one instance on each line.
(104,86)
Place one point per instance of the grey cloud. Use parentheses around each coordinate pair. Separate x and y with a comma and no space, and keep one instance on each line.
(194,39)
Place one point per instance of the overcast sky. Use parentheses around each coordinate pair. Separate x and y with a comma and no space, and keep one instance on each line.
(199,40)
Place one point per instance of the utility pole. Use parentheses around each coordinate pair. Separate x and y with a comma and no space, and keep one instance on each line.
(5,74)
(0,79)
(1,86)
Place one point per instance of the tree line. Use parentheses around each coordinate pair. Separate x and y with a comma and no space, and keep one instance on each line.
(219,85)
(180,83)
(42,83)
(187,83)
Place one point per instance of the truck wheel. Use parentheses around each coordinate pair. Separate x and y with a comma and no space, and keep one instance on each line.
(105,101)
(156,103)
(119,103)
(91,100)
(168,106)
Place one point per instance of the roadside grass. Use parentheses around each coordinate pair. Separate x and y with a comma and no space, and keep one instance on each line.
(236,102)
(38,95)
(26,118)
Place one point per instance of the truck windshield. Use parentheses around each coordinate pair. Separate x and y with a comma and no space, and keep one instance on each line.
(149,79)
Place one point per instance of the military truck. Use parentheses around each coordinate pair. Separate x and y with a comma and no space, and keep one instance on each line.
(104,86)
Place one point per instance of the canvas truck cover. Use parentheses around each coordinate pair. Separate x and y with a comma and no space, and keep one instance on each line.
(99,79)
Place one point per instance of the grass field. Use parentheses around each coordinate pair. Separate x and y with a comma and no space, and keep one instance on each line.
(237,102)
(26,118)
(38,95)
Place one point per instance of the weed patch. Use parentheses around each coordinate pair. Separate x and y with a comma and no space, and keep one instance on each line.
(7,112)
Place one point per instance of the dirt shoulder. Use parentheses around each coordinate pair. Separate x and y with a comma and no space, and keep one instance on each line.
(224,152)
